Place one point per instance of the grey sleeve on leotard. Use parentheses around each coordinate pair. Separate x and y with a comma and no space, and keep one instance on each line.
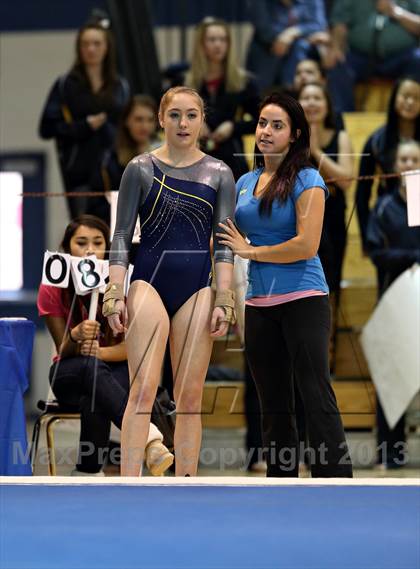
(135,184)
(225,207)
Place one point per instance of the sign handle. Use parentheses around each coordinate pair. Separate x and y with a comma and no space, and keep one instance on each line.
(93,304)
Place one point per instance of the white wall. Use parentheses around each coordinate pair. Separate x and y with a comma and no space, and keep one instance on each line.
(29,63)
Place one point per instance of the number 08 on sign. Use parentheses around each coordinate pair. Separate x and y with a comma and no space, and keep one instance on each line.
(86,272)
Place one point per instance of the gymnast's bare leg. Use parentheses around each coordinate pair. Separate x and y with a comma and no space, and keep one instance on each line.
(146,338)
(191,346)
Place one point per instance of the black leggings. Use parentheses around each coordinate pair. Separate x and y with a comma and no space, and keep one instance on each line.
(99,390)
(287,344)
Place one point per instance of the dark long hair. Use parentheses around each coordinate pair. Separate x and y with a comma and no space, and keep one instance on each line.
(281,184)
(94,223)
(330,119)
(125,146)
(392,134)
(88,221)
(109,65)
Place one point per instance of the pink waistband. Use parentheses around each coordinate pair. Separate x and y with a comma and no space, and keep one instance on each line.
(274,299)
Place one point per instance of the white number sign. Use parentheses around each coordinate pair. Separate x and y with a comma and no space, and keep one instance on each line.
(56,269)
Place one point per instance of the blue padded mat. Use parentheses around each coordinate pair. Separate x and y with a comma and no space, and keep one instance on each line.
(210,527)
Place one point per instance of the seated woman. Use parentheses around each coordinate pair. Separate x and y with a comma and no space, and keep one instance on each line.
(90,370)
(378,154)
(311,71)
(332,154)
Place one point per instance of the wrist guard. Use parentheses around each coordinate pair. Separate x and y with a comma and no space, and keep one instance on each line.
(226,299)
(113,292)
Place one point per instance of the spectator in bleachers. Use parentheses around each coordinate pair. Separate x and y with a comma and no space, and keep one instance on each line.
(230,94)
(82,111)
(90,371)
(136,133)
(332,154)
(308,71)
(403,121)
(285,32)
(394,247)
(311,71)
(371,39)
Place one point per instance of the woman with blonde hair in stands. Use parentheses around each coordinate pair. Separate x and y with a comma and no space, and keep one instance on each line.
(180,195)
(229,92)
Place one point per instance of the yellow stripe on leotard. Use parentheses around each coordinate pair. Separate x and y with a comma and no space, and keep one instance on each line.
(179,192)
(156,200)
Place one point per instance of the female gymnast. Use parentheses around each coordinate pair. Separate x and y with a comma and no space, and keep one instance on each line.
(280,208)
(180,195)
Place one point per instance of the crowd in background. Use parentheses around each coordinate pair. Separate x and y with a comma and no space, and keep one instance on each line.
(98,125)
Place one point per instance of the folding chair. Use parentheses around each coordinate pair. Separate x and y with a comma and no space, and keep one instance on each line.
(52,414)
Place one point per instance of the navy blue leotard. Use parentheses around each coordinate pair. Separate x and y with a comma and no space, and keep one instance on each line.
(178,209)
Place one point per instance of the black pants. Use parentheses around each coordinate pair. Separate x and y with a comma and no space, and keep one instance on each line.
(285,344)
(253,437)
(99,390)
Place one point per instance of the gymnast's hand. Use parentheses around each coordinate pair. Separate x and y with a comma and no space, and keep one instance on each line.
(117,322)
(218,326)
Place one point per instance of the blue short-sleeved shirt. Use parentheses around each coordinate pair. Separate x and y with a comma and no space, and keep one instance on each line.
(266,279)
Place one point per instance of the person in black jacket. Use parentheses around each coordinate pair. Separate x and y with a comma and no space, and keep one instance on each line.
(394,247)
(403,122)
(230,94)
(82,111)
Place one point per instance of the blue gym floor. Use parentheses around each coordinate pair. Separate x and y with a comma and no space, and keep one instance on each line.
(88,526)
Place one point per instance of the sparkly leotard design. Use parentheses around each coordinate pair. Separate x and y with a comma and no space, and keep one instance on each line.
(178,209)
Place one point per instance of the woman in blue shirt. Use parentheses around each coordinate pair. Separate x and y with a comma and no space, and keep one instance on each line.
(280,208)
